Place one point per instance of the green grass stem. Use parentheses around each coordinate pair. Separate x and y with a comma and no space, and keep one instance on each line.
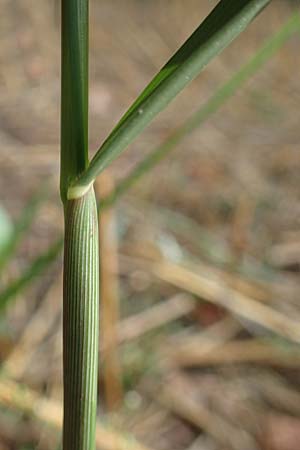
(74,91)
(81,267)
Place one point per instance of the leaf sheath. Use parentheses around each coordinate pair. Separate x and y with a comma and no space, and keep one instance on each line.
(80,323)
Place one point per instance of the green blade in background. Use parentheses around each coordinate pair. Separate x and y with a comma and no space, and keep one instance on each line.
(22,225)
(6,230)
(36,268)
(219,29)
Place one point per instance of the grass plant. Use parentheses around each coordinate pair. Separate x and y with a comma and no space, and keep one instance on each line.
(81,290)
(81,271)
(222,94)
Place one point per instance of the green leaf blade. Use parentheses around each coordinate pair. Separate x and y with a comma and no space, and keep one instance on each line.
(221,95)
(218,30)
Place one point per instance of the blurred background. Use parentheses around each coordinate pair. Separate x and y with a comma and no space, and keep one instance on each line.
(200,324)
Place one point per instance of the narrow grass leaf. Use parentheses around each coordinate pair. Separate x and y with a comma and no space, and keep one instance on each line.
(226,91)
(219,29)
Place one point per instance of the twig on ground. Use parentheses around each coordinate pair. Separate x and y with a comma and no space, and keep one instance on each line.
(156,316)
(175,395)
(36,330)
(242,351)
(109,295)
(18,397)
(214,290)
